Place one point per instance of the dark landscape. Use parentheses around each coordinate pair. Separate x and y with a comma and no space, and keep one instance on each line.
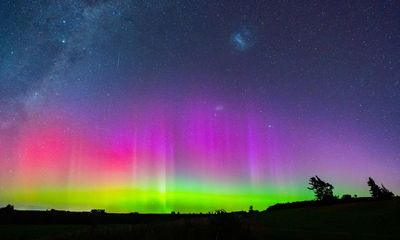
(364,218)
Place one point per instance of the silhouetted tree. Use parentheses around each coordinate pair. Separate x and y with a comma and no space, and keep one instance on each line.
(8,208)
(346,197)
(385,193)
(373,188)
(251,209)
(98,211)
(378,192)
(322,190)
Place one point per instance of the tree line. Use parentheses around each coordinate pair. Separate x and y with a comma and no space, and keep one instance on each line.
(323,191)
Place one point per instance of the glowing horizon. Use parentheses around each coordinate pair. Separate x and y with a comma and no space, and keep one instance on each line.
(193,157)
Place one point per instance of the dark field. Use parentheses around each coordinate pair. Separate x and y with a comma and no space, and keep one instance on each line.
(359,220)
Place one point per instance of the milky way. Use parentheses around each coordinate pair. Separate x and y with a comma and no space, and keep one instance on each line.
(159,106)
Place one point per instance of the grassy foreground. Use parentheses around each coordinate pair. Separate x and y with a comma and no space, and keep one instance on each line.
(359,220)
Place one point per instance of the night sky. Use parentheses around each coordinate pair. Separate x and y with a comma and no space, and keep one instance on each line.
(187,105)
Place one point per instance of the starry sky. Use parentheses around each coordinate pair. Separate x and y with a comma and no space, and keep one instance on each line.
(188,105)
